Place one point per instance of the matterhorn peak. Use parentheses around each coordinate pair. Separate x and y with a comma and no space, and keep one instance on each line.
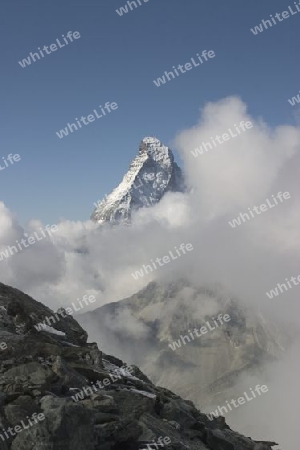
(155,149)
(151,140)
(151,174)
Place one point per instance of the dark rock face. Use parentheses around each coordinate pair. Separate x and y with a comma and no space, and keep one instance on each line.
(88,400)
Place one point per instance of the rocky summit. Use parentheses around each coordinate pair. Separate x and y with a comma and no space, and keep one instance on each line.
(85,399)
(152,173)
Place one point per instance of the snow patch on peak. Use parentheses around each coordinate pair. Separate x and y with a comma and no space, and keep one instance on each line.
(156,150)
(151,140)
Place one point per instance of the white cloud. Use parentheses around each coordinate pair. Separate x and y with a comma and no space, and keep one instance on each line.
(227,180)
(249,260)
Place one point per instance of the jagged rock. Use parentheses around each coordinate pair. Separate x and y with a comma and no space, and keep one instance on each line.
(127,430)
(101,418)
(67,375)
(66,426)
(32,374)
(128,412)
(18,409)
(101,402)
(133,402)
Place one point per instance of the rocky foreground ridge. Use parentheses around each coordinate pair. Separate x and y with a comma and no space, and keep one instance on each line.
(88,400)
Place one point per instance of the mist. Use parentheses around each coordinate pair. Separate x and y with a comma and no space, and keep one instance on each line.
(249,260)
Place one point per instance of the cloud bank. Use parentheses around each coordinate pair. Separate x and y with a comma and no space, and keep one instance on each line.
(226,180)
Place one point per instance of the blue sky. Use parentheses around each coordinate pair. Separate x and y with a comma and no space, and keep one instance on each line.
(116,60)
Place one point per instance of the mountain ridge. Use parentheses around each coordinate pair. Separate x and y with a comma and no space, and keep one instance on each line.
(151,174)
(161,312)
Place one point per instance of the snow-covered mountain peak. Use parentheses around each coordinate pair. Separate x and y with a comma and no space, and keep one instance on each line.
(151,174)
(156,150)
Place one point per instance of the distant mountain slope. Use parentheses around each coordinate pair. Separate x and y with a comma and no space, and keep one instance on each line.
(204,369)
(151,174)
